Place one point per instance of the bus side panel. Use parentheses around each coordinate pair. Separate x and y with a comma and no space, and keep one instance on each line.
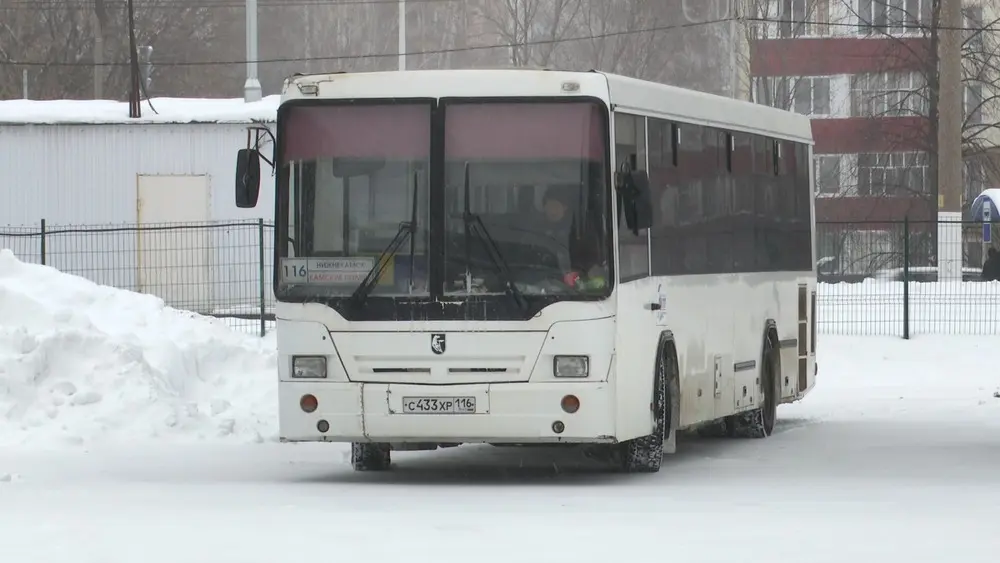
(635,354)
(698,310)
(767,297)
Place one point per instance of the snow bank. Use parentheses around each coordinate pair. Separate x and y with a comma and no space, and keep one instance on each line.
(168,110)
(82,363)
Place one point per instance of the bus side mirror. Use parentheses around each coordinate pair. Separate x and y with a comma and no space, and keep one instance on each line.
(247,178)
(636,199)
(643,200)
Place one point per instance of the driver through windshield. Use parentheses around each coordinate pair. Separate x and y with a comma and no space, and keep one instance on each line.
(535,180)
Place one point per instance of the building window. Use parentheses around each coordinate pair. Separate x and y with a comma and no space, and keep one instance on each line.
(975,180)
(794,18)
(894,17)
(975,28)
(772,91)
(812,95)
(974,104)
(899,174)
(888,94)
(827,174)
(808,95)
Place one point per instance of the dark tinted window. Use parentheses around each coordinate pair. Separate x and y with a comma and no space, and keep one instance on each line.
(727,202)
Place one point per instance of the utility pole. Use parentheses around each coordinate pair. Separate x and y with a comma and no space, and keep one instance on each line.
(402,34)
(134,107)
(98,17)
(949,140)
(251,88)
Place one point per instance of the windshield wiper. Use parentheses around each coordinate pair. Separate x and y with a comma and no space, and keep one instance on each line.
(406,229)
(475,222)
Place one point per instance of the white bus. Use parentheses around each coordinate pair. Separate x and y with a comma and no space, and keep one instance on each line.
(522,257)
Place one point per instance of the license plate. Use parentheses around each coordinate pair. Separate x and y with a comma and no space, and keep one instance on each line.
(439,405)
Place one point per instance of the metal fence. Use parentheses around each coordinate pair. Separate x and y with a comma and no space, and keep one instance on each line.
(883,278)
(875,278)
(220,269)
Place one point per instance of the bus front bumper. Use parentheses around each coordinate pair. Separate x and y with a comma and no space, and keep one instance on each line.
(504,413)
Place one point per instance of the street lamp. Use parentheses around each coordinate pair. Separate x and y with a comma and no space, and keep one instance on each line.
(402,34)
(251,88)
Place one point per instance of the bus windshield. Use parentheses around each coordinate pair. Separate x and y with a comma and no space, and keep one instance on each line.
(534,176)
(356,173)
(355,195)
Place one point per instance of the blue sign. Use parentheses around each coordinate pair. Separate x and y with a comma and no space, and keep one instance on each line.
(987,220)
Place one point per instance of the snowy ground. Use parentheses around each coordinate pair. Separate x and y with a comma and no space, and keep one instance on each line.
(134,433)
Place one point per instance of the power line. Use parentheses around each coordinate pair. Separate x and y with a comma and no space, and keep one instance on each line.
(860,25)
(42,5)
(608,35)
(385,55)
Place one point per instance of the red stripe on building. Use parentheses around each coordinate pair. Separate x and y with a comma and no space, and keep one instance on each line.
(826,56)
(866,134)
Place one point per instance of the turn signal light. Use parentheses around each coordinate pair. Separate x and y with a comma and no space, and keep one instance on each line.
(309,403)
(570,404)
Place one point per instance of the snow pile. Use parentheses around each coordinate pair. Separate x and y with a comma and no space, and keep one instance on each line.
(81,363)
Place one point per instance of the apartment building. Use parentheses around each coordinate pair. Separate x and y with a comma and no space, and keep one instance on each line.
(860,67)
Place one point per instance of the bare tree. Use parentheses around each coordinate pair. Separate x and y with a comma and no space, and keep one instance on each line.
(651,40)
(86,45)
(531,29)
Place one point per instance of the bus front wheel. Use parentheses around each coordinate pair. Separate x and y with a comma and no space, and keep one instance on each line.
(366,456)
(645,455)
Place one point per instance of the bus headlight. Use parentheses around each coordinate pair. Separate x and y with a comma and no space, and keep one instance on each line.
(571,366)
(309,367)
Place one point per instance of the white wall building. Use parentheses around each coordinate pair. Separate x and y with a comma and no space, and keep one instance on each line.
(85,164)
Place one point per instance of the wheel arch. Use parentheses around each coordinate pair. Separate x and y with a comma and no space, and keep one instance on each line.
(770,333)
(667,346)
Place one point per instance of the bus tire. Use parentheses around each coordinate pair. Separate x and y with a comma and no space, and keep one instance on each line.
(366,456)
(645,455)
(759,423)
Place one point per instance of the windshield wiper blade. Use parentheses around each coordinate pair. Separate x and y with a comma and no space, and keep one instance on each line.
(473,220)
(368,284)
(406,230)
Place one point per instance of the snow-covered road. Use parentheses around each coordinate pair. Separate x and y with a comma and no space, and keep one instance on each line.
(816,491)
(894,457)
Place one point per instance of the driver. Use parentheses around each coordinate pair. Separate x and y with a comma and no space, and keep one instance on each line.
(575,248)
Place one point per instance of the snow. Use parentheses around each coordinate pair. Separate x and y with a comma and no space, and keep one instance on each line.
(893,457)
(168,110)
(83,363)
(875,307)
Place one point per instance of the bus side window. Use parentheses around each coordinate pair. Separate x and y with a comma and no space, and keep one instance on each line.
(630,147)
(666,250)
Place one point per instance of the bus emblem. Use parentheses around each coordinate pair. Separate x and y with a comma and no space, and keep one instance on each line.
(437,344)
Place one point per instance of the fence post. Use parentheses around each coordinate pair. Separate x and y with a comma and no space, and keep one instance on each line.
(261,274)
(42,249)
(906,278)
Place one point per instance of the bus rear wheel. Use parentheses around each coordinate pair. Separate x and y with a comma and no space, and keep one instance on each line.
(759,423)
(366,456)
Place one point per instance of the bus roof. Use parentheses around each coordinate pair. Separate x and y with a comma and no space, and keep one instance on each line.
(680,104)
(622,93)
